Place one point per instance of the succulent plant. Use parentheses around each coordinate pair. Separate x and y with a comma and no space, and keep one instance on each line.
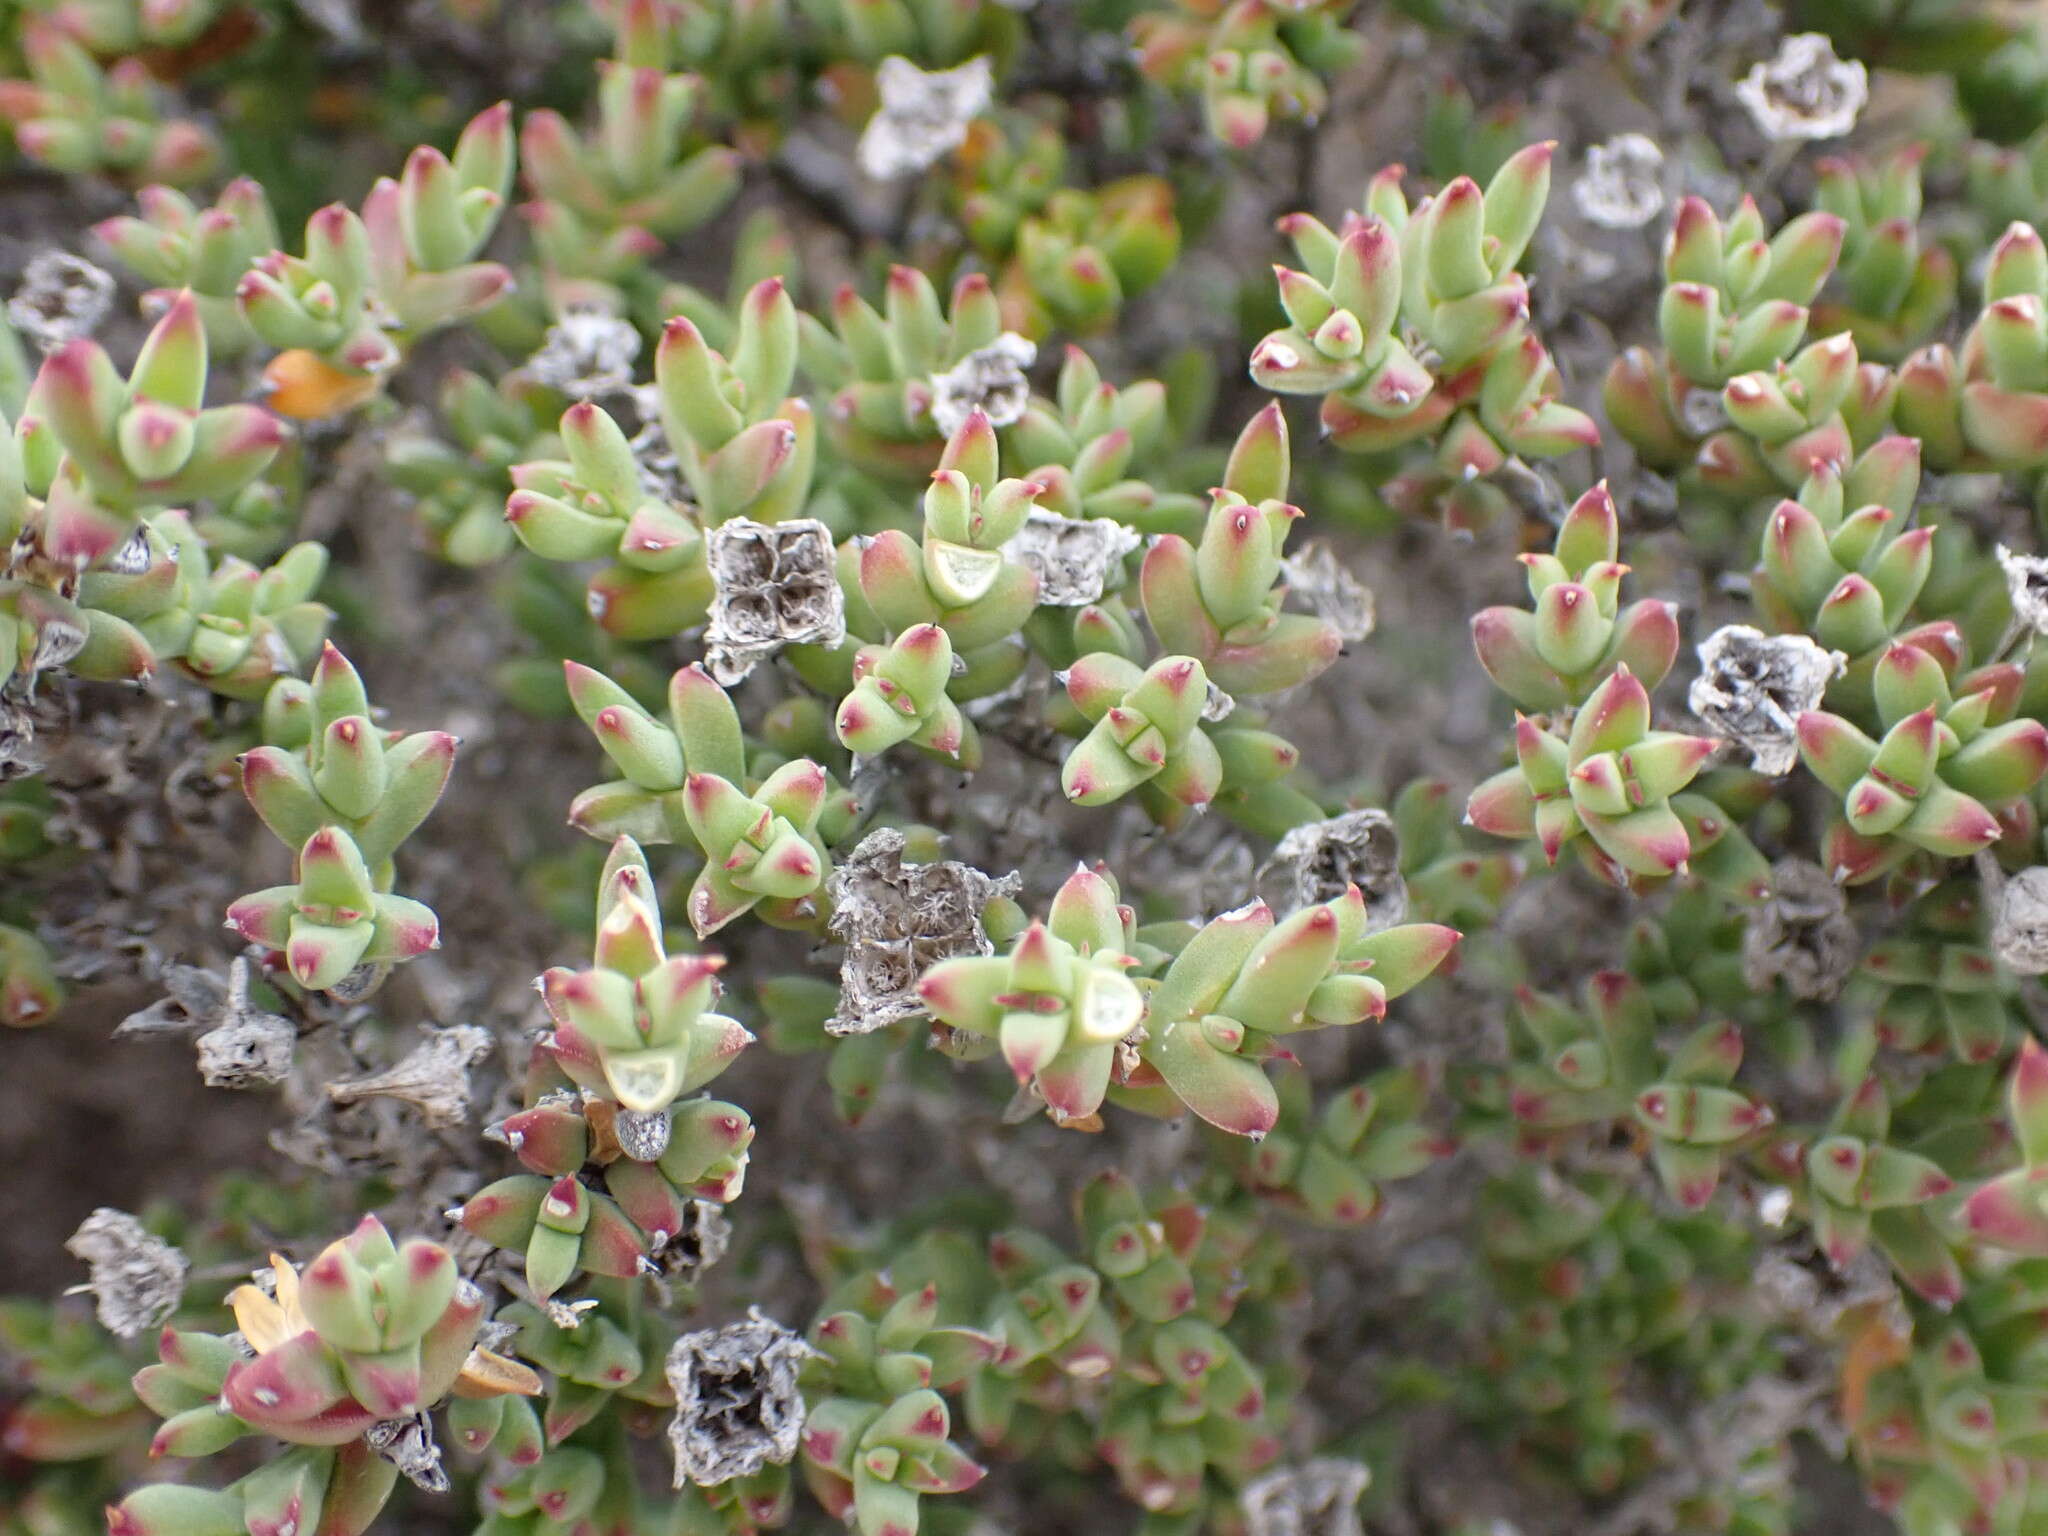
(959,578)
(1987,406)
(1086,253)
(102,449)
(688,780)
(1859,1185)
(877,1439)
(76,117)
(234,628)
(1734,303)
(1329,1164)
(1576,633)
(1446,880)
(30,992)
(1062,1003)
(1931,1434)
(2007,1211)
(368,283)
(1067,256)
(1096,451)
(1610,778)
(1895,288)
(612,1356)
(1948,756)
(2003,178)
(880,369)
(369,1331)
(174,245)
(1218,600)
(641,1213)
(636,1026)
(1680,1101)
(1076,1027)
(342,794)
(1713,1155)
(1396,286)
(1146,731)
(595,504)
(1251,62)
(743,447)
(636,179)
(75,1401)
(1444,273)
(1936,980)
(1833,562)
(899,694)
(460,488)
(927,30)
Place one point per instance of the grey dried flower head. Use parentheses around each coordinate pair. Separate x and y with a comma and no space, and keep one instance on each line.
(661,473)
(566,1315)
(1801,936)
(1315,575)
(137,1277)
(1073,557)
(1621,186)
(2026,581)
(61,298)
(360,982)
(376,1128)
(1590,266)
(1774,1206)
(774,584)
(250,1050)
(1790,1289)
(737,1404)
(433,1076)
(587,353)
(1753,687)
(1701,412)
(57,640)
(240,1045)
(697,1244)
(18,755)
(408,1444)
(194,998)
(877,986)
(2019,915)
(310,1144)
(923,116)
(1801,1287)
(133,557)
(1806,92)
(896,920)
(1318,1498)
(990,380)
(642,1134)
(1318,861)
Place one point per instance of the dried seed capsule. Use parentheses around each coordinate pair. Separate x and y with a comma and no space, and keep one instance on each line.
(137,1278)
(1753,687)
(737,1404)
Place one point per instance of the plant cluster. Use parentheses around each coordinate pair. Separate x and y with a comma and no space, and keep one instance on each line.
(1197,1054)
